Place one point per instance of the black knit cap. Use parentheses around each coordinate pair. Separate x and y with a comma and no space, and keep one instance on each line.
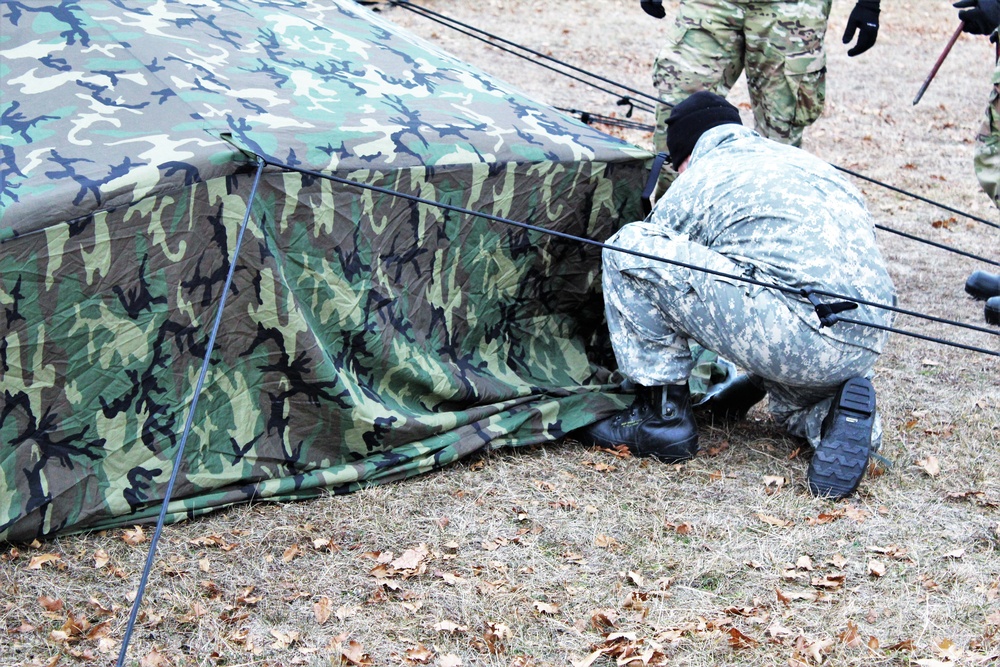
(692,118)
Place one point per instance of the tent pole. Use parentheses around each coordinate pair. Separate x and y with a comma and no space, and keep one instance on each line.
(178,457)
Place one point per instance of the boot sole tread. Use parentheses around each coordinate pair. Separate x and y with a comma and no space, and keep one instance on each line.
(839,463)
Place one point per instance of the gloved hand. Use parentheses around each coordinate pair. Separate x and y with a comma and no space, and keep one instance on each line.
(653,7)
(980,16)
(864,20)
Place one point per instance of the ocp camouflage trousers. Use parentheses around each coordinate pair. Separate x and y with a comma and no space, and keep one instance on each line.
(653,308)
(780,45)
(987,151)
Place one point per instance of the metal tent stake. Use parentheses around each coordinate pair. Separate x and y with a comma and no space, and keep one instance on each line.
(937,65)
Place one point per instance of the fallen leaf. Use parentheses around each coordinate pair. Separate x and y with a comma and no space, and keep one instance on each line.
(409,559)
(929,465)
(546,608)
(838,561)
(778,631)
(739,640)
(321,610)
(828,581)
(947,223)
(50,604)
(636,601)
(495,543)
(134,537)
(601,619)
(956,553)
(850,636)
(37,562)
(606,542)
(290,553)
(817,648)
(774,521)
(197,611)
(774,483)
(154,659)
(450,660)
(857,513)
(101,558)
(450,627)
(948,650)
(344,612)
(355,654)
(876,568)
(420,654)
(495,635)
(99,631)
(589,660)
(786,597)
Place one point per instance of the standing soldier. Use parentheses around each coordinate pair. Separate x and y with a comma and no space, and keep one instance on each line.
(981,17)
(778,42)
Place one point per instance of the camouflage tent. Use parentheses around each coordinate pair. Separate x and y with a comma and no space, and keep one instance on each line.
(366,336)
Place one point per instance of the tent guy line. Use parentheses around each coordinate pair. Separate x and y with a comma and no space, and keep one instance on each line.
(188,424)
(827,316)
(491,39)
(589,117)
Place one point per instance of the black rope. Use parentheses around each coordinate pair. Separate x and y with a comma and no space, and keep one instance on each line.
(913,334)
(916,196)
(599,244)
(943,246)
(486,37)
(178,457)
(587,117)
(489,38)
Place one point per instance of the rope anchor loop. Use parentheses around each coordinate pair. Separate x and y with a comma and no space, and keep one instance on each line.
(827,312)
(627,101)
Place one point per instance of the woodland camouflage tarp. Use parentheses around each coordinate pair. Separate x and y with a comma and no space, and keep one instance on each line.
(366,337)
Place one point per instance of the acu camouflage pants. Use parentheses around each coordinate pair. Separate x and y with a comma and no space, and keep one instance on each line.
(653,308)
(778,42)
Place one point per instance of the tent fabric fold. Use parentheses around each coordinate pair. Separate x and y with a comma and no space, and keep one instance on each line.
(366,337)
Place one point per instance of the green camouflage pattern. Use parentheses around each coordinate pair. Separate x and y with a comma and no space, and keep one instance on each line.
(779,43)
(986,160)
(366,337)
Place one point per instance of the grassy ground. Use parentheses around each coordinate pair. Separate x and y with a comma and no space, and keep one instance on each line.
(562,555)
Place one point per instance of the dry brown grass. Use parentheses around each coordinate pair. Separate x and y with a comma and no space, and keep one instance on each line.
(523,557)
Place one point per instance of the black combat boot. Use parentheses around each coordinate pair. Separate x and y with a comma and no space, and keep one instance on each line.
(841,459)
(991,311)
(982,285)
(734,400)
(659,423)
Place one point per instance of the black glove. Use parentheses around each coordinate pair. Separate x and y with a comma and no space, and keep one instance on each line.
(864,20)
(653,7)
(980,16)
